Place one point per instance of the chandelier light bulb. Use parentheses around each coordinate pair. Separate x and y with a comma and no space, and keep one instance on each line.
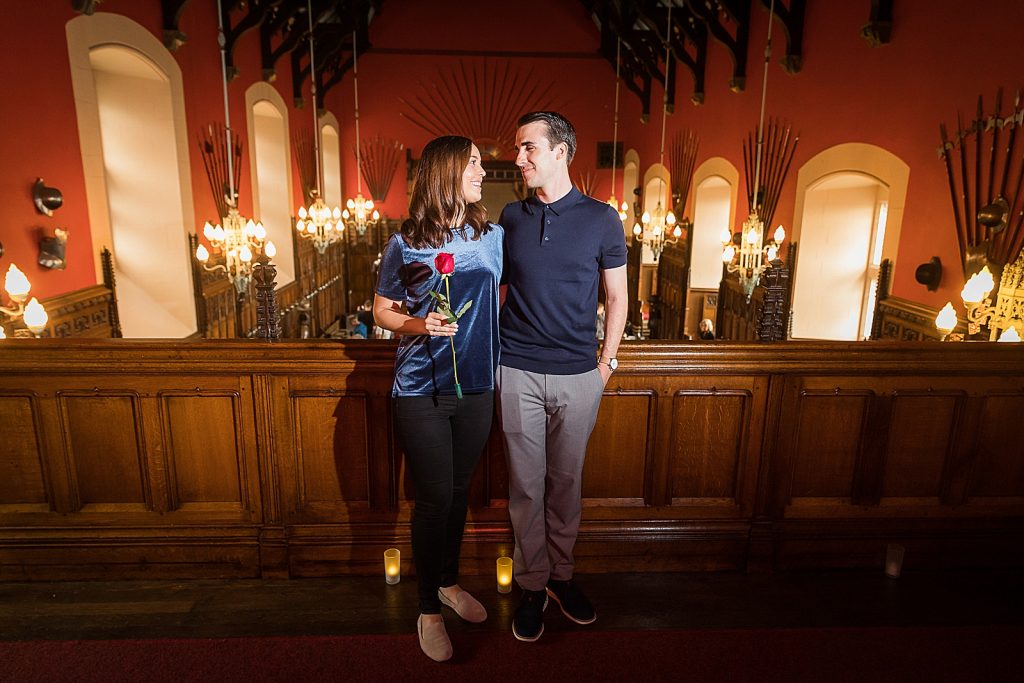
(646,217)
(202,254)
(310,229)
(261,232)
(945,322)
(780,234)
(302,212)
(752,236)
(670,219)
(677,232)
(300,225)
(637,230)
(350,204)
(1009,334)
(773,252)
(336,214)
(250,228)
(270,250)
(728,254)
(35,316)
(245,254)
(16,284)
(207,230)
(726,236)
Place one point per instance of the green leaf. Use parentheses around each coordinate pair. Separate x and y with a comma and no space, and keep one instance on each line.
(441,298)
(465,307)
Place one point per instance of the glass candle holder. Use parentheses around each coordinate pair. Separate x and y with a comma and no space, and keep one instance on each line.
(392,565)
(504,567)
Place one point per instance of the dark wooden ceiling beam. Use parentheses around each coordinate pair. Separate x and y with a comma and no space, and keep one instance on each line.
(738,13)
(878,30)
(792,20)
(258,10)
(171,10)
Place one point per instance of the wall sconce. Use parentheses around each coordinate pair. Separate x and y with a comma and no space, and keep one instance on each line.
(17,286)
(46,199)
(1002,319)
(51,249)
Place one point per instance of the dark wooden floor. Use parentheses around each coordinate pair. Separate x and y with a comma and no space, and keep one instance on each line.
(361,605)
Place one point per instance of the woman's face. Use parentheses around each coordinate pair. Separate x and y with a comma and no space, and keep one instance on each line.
(473,178)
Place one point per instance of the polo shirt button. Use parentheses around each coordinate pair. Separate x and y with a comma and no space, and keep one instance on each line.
(546,239)
(549,221)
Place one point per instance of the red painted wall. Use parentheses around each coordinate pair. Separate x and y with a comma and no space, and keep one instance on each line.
(944,53)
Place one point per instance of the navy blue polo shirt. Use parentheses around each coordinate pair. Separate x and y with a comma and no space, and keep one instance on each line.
(554,255)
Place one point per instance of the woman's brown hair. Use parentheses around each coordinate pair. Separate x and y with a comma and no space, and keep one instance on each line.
(437,207)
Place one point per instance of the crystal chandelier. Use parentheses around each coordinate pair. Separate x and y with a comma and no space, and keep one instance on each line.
(319,223)
(17,287)
(235,240)
(359,214)
(238,241)
(755,256)
(659,228)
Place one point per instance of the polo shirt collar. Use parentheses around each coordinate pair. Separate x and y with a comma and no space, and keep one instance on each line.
(556,207)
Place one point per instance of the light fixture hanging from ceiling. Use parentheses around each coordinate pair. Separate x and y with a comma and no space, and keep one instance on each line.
(612,200)
(754,254)
(236,240)
(359,214)
(319,223)
(658,228)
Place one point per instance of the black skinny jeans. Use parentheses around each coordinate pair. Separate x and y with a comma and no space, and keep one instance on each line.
(442,438)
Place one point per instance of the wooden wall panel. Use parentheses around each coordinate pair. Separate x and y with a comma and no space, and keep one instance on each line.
(708,443)
(205,453)
(332,455)
(116,473)
(615,470)
(134,458)
(828,428)
(919,443)
(999,449)
(22,482)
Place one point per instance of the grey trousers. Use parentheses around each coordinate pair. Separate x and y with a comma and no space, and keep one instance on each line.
(547,421)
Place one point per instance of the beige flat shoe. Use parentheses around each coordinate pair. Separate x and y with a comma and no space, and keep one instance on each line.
(465,605)
(434,639)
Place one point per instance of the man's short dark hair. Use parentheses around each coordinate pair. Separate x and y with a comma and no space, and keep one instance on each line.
(559,129)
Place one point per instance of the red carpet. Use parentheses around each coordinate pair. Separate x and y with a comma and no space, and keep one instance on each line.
(831,654)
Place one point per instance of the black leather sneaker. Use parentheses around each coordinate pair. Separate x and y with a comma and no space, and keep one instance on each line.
(528,621)
(572,601)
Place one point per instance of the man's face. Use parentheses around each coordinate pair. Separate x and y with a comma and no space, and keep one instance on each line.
(536,160)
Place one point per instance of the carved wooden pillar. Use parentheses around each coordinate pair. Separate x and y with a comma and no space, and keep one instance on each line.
(111,283)
(268,324)
(773,323)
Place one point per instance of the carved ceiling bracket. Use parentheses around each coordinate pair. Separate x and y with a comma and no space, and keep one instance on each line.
(173,36)
(792,19)
(85,6)
(258,11)
(878,30)
(717,19)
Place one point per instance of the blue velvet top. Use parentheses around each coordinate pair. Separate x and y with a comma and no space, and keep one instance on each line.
(423,365)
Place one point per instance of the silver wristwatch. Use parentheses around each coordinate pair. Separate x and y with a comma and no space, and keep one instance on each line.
(612,363)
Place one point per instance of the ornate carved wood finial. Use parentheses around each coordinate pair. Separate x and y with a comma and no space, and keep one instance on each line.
(773,323)
(85,6)
(268,325)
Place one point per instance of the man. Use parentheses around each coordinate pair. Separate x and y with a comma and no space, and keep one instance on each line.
(559,245)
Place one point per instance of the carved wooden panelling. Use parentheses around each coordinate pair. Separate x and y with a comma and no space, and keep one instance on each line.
(332,453)
(708,430)
(21,470)
(103,433)
(828,439)
(920,438)
(999,448)
(619,449)
(205,458)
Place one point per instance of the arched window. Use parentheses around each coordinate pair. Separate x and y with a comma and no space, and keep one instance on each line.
(847,218)
(330,157)
(271,173)
(630,182)
(131,119)
(714,209)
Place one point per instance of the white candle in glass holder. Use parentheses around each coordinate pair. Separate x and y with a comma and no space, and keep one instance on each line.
(504,574)
(392,565)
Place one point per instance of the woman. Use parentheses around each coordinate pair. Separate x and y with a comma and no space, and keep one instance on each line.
(442,428)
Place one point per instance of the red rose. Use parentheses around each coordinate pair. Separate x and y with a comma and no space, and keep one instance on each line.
(445,263)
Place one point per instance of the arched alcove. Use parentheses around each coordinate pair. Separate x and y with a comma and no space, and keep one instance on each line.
(847,218)
(330,157)
(270,164)
(129,106)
